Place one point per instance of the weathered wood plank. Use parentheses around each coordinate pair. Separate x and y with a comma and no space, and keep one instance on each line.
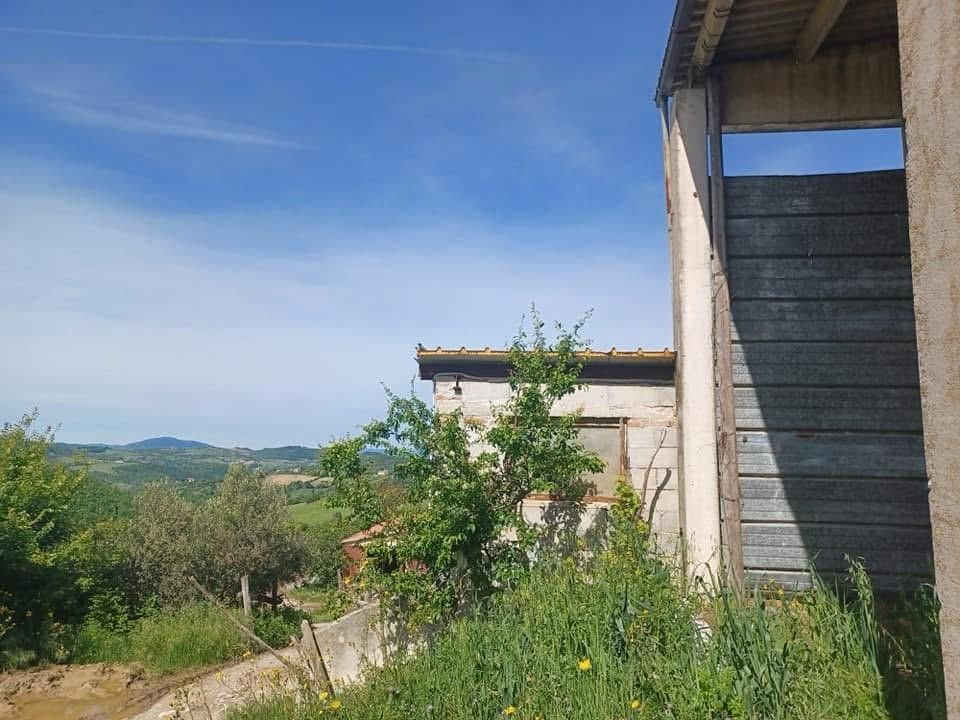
(821,511)
(800,580)
(729,482)
(821,278)
(806,408)
(818,236)
(846,194)
(834,560)
(827,364)
(856,320)
(852,500)
(789,540)
(763,495)
(829,454)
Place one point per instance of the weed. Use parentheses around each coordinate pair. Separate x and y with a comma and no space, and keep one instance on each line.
(616,635)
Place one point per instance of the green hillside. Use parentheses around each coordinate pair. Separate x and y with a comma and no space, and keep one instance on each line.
(196,469)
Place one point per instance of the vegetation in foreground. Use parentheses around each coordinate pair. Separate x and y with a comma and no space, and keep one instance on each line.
(186,638)
(611,634)
(89,572)
(618,636)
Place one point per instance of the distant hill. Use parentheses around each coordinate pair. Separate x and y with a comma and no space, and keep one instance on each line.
(196,468)
(288,452)
(165,443)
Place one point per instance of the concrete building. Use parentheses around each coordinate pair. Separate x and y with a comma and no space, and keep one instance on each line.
(627,411)
(817,318)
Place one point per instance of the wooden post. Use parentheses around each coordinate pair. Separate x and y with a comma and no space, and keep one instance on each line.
(239,625)
(311,649)
(729,478)
(245,592)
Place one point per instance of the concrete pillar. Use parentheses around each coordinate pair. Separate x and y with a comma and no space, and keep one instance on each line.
(689,222)
(929,62)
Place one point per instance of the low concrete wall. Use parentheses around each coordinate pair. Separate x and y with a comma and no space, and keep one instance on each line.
(352,644)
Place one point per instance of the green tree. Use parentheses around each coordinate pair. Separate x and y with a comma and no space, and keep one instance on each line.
(242,530)
(250,528)
(36,523)
(458,529)
(166,543)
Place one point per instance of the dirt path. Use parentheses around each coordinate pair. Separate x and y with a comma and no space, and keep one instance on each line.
(210,696)
(117,692)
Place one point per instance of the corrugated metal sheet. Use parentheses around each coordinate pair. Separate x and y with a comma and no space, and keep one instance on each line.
(769,28)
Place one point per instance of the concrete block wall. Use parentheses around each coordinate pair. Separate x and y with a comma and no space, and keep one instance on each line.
(651,437)
(652,451)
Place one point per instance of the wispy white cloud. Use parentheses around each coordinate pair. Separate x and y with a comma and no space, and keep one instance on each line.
(101,111)
(497,57)
(129,322)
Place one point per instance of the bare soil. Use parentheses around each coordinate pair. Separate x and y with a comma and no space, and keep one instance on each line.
(77,692)
(117,692)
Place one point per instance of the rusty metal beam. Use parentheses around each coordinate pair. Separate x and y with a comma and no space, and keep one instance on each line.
(819,24)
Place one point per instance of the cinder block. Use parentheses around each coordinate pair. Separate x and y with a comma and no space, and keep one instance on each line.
(666,501)
(643,437)
(667,396)
(667,522)
(666,458)
(670,438)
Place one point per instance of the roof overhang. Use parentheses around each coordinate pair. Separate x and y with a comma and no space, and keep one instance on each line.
(707,33)
(639,366)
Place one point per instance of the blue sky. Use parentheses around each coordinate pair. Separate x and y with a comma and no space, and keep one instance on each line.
(233,221)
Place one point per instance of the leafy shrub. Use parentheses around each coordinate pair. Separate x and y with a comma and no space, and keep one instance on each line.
(37,525)
(276,628)
(242,530)
(456,531)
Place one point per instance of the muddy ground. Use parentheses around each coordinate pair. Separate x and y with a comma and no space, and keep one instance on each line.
(116,692)
(77,692)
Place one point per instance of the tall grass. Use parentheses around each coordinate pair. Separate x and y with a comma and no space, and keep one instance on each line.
(172,640)
(618,637)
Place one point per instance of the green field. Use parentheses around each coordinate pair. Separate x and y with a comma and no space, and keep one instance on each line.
(195,471)
(316,513)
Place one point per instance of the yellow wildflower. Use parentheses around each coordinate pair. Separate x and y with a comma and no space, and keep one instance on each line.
(335,704)
(635,705)
(324,694)
(584,665)
(247,653)
(509,710)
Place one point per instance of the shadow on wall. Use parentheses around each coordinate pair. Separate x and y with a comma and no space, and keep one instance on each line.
(568,526)
(829,431)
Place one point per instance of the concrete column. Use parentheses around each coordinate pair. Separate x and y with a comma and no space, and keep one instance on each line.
(929,62)
(688,202)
